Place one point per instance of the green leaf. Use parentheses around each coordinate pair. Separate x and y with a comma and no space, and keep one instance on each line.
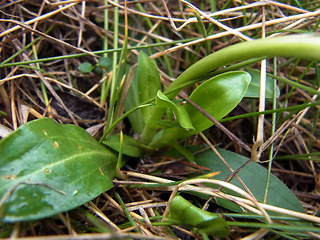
(165,124)
(253,175)
(148,84)
(253,90)
(183,150)
(180,112)
(47,168)
(217,96)
(132,101)
(85,67)
(104,62)
(98,70)
(185,213)
(130,146)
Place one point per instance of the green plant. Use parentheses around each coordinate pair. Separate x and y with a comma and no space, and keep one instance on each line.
(205,222)
(162,120)
(87,67)
(231,85)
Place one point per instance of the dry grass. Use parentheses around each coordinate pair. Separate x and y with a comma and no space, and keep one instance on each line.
(73,31)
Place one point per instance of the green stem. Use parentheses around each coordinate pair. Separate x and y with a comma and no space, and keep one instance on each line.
(294,84)
(301,46)
(109,129)
(278,110)
(149,130)
(43,87)
(104,87)
(125,210)
(99,52)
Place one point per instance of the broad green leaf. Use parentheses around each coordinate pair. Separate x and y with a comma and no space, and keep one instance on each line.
(47,168)
(253,90)
(180,112)
(185,213)
(254,176)
(130,146)
(85,67)
(132,101)
(148,83)
(217,96)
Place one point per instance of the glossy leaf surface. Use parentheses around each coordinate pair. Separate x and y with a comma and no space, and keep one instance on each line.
(47,168)
(179,111)
(218,96)
(185,213)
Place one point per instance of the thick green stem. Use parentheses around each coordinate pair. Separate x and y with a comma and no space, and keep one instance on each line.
(305,46)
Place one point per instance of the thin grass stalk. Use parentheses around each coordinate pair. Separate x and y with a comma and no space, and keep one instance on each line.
(292,69)
(104,88)
(114,81)
(273,129)
(125,210)
(43,87)
(99,52)
(317,111)
(22,50)
(122,66)
(123,116)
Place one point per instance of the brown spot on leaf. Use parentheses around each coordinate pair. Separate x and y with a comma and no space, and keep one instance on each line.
(56,144)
